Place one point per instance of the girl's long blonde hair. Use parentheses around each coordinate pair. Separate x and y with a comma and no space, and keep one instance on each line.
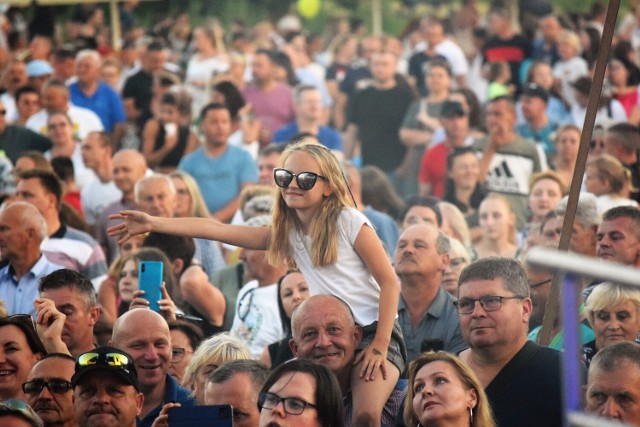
(324,229)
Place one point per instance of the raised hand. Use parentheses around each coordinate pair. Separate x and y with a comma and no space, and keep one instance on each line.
(134,223)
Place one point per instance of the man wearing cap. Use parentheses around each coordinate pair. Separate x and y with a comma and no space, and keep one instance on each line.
(105,389)
(38,72)
(537,127)
(145,335)
(433,166)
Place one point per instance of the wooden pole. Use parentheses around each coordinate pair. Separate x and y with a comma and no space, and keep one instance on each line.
(551,310)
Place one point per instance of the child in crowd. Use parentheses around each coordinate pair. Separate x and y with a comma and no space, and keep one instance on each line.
(335,247)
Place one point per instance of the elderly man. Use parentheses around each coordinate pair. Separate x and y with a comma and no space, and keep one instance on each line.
(55,97)
(156,195)
(237,383)
(521,378)
(144,334)
(585,226)
(66,246)
(325,331)
(22,230)
(75,297)
(48,390)
(105,389)
(425,310)
(618,236)
(613,388)
(129,167)
(91,93)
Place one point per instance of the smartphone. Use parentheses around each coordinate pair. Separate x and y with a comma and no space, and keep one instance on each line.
(150,281)
(201,416)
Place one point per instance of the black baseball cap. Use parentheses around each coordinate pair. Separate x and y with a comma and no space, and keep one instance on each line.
(536,91)
(109,359)
(452,109)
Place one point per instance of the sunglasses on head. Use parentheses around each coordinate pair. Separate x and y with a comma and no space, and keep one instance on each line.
(116,360)
(305,180)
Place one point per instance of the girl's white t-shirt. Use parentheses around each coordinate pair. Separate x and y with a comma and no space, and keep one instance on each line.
(348,278)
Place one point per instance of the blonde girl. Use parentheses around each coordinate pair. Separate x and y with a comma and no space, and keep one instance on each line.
(610,181)
(316,228)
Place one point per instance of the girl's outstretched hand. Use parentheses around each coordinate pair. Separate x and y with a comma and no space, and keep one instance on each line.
(135,223)
(373,357)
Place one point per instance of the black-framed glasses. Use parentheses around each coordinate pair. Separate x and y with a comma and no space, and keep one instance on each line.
(291,405)
(305,180)
(488,303)
(538,284)
(177,354)
(57,386)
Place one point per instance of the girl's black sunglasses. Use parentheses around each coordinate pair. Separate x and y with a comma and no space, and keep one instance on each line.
(305,180)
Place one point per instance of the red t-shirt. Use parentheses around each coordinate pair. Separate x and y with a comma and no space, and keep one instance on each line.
(433,168)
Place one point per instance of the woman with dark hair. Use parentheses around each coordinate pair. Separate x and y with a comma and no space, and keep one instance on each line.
(292,290)
(303,394)
(185,338)
(624,82)
(379,193)
(462,187)
(20,349)
(284,69)
(166,139)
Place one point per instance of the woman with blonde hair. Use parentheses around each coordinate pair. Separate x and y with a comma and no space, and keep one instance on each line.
(208,357)
(189,200)
(445,379)
(498,225)
(610,181)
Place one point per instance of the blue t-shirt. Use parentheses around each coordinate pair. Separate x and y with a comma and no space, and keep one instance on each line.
(220,178)
(105,102)
(327,136)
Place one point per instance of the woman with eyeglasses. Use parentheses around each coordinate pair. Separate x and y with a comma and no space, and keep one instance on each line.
(20,349)
(444,391)
(301,393)
(185,338)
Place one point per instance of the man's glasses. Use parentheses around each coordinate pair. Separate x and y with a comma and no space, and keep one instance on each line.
(116,360)
(488,303)
(305,180)
(57,386)
(177,354)
(291,405)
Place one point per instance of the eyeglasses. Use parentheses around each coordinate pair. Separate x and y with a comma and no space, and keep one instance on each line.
(538,284)
(57,386)
(177,354)
(116,360)
(488,303)
(305,180)
(291,405)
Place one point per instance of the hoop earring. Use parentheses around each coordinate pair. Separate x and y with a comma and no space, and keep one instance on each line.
(471,416)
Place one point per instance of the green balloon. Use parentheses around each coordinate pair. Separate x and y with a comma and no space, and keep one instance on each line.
(308,8)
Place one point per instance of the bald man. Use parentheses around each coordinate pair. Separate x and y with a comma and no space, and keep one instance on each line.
(129,167)
(22,230)
(144,334)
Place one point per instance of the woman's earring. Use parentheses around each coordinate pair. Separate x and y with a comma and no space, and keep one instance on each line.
(471,415)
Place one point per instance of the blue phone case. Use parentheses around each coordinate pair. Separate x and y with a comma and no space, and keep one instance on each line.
(201,416)
(150,281)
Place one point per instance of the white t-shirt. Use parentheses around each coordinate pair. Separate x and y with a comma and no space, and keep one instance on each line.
(455,57)
(9,103)
(349,278)
(84,122)
(96,196)
(257,320)
(568,72)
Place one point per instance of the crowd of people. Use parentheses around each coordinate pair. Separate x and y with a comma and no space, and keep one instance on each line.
(342,219)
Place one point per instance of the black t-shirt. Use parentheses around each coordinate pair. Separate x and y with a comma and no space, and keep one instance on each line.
(17,139)
(513,51)
(378,115)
